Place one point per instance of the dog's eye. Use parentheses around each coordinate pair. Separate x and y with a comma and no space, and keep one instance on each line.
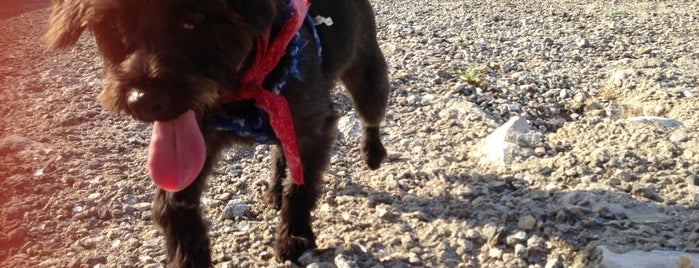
(193,19)
(112,23)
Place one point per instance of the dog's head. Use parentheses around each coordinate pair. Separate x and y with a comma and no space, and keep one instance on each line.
(163,57)
(166,62)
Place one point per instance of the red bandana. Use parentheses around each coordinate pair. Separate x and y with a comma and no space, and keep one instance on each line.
(275,105)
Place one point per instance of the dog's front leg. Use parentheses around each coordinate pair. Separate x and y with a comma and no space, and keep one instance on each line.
(179,216)
(294,231)
(273,196)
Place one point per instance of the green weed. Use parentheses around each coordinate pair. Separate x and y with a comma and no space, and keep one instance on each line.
(470,76)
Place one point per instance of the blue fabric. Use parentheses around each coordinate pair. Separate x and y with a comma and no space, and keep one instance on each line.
(251,125)
(312,26)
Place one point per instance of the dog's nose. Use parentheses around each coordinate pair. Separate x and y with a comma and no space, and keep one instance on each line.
(149,105)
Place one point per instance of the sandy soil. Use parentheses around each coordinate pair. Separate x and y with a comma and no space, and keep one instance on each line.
(75,192)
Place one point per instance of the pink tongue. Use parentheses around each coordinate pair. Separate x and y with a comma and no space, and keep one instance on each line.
(176,153)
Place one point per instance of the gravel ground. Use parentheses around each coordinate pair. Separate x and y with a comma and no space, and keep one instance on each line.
(76,194)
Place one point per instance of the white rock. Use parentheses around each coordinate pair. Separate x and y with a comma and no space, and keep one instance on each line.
(527,223)
(495,253)
(235,208)
(349,127)
(227,265)
(52,75)
(665,122)
(389,49)
(690,93)
(648,259)
(342,261)
(514,107)
(428,99)
(582,43)
(50,263)
(619,77)
(462,110)
(520,250)
(143,206)
(645,214)
(223,196)
(412,99)
(553,263)
(499,147)
(414,258)
(606,206)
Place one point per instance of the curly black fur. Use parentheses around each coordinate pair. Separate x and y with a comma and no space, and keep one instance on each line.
(175,69)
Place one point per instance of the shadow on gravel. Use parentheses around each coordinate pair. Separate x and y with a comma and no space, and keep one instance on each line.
(532,224)
(12,8)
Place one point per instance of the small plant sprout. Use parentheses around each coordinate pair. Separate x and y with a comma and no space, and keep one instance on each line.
(471,76)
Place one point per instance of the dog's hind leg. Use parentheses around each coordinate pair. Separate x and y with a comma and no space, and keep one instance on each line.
(179,216)
(366,79)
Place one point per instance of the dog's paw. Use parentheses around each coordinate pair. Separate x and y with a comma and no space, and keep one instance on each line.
(372,148)
(273,198)
(292,247)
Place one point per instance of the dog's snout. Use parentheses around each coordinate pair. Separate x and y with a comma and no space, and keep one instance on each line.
(149,105)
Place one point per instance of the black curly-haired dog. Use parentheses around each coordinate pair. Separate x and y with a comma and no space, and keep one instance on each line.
(175,62)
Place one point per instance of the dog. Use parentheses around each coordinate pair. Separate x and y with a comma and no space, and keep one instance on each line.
(199,69)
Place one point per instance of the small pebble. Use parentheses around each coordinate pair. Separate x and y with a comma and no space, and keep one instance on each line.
(527,223)
(235,208)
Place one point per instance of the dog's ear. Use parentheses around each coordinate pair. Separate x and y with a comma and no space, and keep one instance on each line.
(66,23)
(259,14)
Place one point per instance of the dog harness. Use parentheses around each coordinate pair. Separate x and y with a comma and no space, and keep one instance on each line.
(269,102)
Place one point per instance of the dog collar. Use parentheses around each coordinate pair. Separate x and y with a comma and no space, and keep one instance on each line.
(270,102)
(250,125)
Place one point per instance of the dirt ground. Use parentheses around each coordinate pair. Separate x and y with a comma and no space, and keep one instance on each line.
(75,192)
